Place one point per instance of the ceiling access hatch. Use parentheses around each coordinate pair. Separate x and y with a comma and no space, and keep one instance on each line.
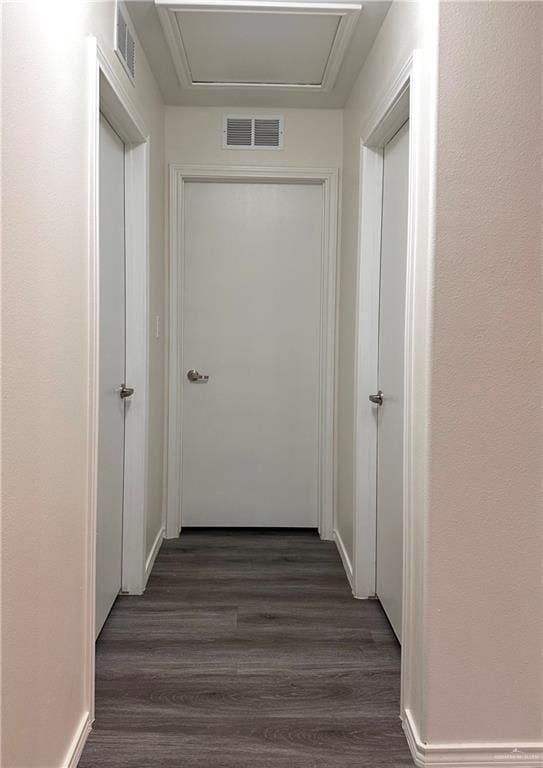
(291,46)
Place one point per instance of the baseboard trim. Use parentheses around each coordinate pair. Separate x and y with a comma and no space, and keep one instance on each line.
(155,549)
(470,755)
(78,742)
(345,559)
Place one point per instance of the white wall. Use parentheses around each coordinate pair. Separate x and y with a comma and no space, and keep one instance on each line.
(45,364)
(312,138)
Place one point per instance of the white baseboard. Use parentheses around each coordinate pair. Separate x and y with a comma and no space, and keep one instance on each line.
(78,742)
(153,553)
(470,755)
(345,559)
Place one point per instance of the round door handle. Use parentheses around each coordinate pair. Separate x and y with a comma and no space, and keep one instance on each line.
(195,377)
(377,399)
(125,391)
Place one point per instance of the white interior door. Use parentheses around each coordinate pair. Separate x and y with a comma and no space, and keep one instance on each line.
(391,377)
(112,369)
(251,322)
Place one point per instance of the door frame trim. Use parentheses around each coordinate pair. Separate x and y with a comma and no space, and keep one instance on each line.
(405,97)
(108,94)
(392,116)
(328,178)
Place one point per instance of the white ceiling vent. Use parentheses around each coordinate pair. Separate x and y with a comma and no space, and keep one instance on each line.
(125,45)
(253,132)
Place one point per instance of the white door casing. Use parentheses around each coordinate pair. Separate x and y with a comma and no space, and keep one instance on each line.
(180,178)
(390,415)
(108,95)
(109,526)
(409,94)
(251,321)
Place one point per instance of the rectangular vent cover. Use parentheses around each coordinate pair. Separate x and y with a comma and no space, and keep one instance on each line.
(252,132)
(125,45)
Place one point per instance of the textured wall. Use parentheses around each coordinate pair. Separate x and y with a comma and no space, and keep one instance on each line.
(475,668)
(484,619)
(45,364)
(312,138)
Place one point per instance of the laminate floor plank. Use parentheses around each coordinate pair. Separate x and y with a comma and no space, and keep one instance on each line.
(247,650)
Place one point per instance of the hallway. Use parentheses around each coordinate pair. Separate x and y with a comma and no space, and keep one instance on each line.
(247,649)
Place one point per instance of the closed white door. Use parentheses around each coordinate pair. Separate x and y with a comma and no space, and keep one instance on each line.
(111,375)
(391,378)
(251,322)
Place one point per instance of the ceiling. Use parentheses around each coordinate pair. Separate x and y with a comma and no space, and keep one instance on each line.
(256,52)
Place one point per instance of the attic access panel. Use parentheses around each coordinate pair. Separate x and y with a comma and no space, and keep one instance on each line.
(271,45)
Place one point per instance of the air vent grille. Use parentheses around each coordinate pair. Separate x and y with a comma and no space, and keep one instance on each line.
(130,54)
(125,47)
(239,132)
(121,34)
(253,132)
(267,132)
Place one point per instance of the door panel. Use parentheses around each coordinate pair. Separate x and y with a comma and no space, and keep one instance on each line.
(252,283)
(391,377)
(112,368)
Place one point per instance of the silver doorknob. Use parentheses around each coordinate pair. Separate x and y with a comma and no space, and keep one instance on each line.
(377,399)
(126,391)
(196,377)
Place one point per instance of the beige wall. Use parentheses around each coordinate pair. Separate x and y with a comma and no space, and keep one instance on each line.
(484,613)
(45,364)
(475,665)
(312,138)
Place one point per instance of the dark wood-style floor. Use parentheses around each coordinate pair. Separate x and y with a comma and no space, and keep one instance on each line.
(247,651)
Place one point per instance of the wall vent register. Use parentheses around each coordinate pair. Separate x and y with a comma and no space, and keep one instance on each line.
(125,45)
(253,132)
